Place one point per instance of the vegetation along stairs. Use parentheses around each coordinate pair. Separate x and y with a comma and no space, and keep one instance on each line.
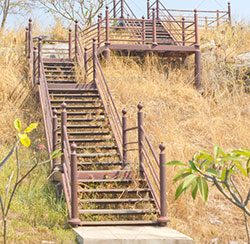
(109,172)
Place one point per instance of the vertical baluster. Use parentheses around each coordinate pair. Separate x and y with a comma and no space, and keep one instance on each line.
(29,37)
(94,60)
(124,137)
(74,221)
(229,13)
(197,66)
(107,26)
(154,29)
(99,30)
(76,40)
(122,8)
(196,27)
(206,24)
(63,124)
(162,220)
(26,41)
(148,9)
(157,9)
(218,18)
(39,58)
(35,62)
(183,31)
(86,59)
(114,9)
(143,30)
(55,137)
(70,44)
(140,136)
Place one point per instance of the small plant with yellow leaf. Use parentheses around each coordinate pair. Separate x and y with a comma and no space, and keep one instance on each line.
(5,202)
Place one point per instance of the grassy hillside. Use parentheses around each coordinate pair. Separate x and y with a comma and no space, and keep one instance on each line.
(187,120)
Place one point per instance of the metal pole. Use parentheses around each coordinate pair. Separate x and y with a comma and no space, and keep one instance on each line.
(196,27)
(99,30)
(86,59)
(55,137)
(157,9)
(148,9)
(140,135)
(197,66)
(143,30)
(229,13)
(29,37)
(124,137)
(94,60)
(76,39)
(206,25)
(218,18)
(114,8)
(34,64)
(70,44)
(162,220)
(154,29)
(183,31)
(39,58)
(107,26)
(63,123)
(122,9)
(74,221)
(26,41)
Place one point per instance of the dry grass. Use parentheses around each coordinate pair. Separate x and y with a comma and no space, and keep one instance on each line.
(186,121)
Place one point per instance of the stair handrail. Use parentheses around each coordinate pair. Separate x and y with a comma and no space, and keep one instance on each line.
(122,9)
(109,104)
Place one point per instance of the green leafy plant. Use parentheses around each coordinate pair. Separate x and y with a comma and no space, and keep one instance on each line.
(5,202)
(219,168)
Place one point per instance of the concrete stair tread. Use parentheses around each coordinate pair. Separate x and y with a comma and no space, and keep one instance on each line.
(119,223)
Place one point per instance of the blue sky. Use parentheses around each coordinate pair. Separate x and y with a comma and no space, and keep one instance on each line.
(240,9)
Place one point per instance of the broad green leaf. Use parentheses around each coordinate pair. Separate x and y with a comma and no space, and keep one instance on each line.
(30,128)
(175,163)
(194,188)
(188,181)
(232,158)
(243,171)
(242,152)
(248,166)
(223,174)
(181,175)
(18,125)
(25,141)
(207,154)
(213,172)
(179,190)
(203,189)
(192,166)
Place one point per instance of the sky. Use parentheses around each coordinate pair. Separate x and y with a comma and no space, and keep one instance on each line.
(240,10)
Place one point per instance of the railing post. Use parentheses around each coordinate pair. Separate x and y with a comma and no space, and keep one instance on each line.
(70,44)
(157,9)
(76,39)
(29,37)
(99,30)
(148,9)
(183,31)
(94,60)
(63,123)
(122,8)
(124,137)
(39,58)
(143,30)
(74,221)
(218,18)
(34,64)
(114,9)
(229,12)
(197,66)
(26,41)
(206,24)
(55,138)
(140,135)
(162,220)
(196,27)
(107,26)
(154,29)
(86,59)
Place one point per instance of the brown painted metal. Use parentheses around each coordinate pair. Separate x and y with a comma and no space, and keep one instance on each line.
(140,135)
(70,44)
(94,60)
(76,38)
(74,221)
(157,10)
(183,31)
(196,27)
(114,8)
(26,41)
(229,13)
(55,137)
(124,136)
(35,61)
(143,30)
(29,37)
(163,219)
(206,25)
(107,42)
(86,59)
(148,9)
(154,43)
(197,67)
(39,59)
(218,18)
(122,8)
(63,123)
(99,29)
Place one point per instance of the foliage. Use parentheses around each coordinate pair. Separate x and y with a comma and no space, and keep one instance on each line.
(221,169)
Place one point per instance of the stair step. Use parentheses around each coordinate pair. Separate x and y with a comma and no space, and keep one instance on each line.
(100,163)
(87,140)
(103,174)
(61,81)
(85,120)
(122,200)
(70,113)
(96,155)
(79,107)
(106,181)
(119,223)
(87,133)
(75,95)
(73,90)
(116,211)
(114,190)
(97,147)
(84,127)
(73,101)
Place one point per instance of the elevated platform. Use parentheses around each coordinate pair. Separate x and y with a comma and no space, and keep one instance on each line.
(131,235)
